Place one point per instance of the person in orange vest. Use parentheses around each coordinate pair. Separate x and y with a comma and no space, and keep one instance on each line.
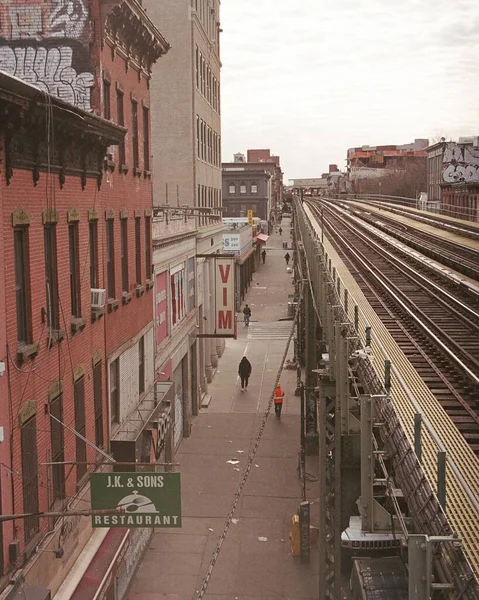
(278,401)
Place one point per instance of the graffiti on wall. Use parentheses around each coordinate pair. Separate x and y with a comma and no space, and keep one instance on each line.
(68,18)
(50,70)
(461,163)
(35,47)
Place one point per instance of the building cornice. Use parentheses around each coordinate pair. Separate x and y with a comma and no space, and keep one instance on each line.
(128,28)
(173,239)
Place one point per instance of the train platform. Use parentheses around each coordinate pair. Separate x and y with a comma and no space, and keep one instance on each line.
(251,516)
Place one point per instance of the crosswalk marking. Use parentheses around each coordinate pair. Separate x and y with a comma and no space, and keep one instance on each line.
(279,330)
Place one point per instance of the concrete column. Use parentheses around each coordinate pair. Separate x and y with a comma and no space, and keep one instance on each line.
(201,350)
(214,352)
(195,385)
(209,324)
(220,346)
(186,385)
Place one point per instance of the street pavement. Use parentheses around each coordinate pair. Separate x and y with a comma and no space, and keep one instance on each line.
(254,560)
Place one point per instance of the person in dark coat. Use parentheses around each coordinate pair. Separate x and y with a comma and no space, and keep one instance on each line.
(244,371)
(247,315)
(263,255)
(286,258)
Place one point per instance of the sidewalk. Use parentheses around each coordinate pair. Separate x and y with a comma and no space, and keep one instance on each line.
(255,559)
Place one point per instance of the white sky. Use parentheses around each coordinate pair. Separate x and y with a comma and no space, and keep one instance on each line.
(311,78)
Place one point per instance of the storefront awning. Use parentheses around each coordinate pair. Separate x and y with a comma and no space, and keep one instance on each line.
(262,238)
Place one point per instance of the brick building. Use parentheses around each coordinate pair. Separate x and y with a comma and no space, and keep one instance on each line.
(88,356)
(453,177)
(55,342)
(396,170)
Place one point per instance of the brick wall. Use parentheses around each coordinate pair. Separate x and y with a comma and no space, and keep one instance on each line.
(256,155)
(128,191)
(5,490)
(33,380)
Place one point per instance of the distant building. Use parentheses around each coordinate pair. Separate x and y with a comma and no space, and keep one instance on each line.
(246,188)
(312,186)
(453,177)
(396,170)
(263,159)
(333,182)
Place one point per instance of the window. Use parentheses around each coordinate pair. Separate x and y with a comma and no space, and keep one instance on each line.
(106,99)
(178,295)
(110,258)
(146,138)
(134,133)
(98,404)
(254,188)
(28,434)
(115,391)
(138,249)
(79,393)
(141,365)
(124,255)
(198,145)
(148,247)
(57,444)
(208,85)
(93,230)
(22,284)
(232,189)
(51,275)
(242,188)
(74,270)
(120,117)
(197,68)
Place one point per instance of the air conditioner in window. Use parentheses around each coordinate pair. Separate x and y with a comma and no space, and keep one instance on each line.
(98,298)
(110,153)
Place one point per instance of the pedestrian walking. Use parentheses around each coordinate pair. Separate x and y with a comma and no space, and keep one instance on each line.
(278,401)
(244,371)
(280,231)
(263,255)
(286,258)
(247,315)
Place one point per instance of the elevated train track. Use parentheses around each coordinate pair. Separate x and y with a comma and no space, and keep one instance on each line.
(409,393)
(435,327)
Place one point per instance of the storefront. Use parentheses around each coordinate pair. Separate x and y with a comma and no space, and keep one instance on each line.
(238,241)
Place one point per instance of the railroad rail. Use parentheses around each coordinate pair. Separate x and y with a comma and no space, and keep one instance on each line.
(450,224)
(462,258)
(436,330)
